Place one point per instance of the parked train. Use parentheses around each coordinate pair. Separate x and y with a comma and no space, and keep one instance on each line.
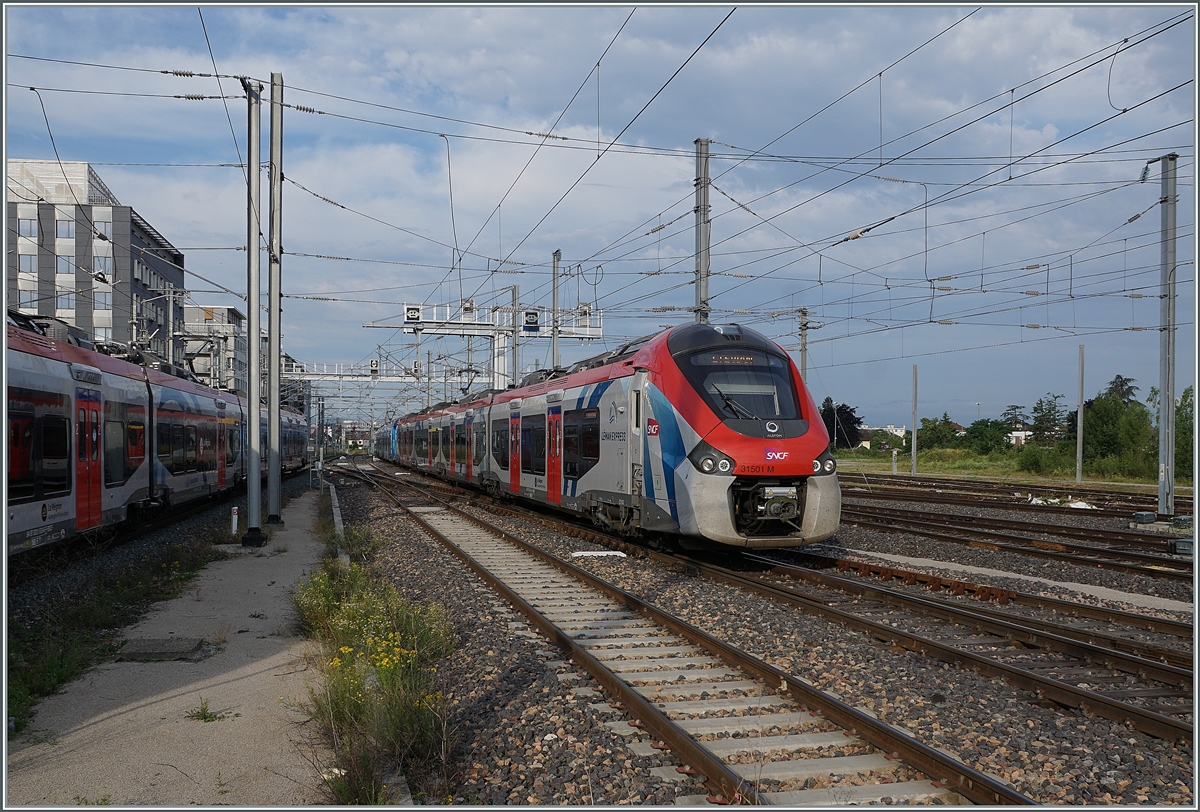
(702,431)
(94,440)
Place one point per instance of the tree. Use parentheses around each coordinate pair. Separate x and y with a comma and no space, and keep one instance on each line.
(1185,409)
(1046,425)
(1015,417)
(939,433)
(986,436)
(1121,388)
(842,424)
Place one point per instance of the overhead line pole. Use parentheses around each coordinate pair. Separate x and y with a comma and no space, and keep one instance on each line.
(1166,343)
(703,230)
(274,306)
(254,536)
(554,312)
(1079,424)
(914,428)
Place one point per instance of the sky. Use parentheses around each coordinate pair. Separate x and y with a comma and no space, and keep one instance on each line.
(956,188)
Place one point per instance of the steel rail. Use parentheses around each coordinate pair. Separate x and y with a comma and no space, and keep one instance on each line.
(972,784)
(1150,541)
(1150,722)
(1037,550)
(1013,629)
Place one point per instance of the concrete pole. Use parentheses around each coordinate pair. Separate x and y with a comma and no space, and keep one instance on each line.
(516,335)
(1166,344)
(254,536)
(321,435)
(914,428)
(703,230)
(554,314)
(1079,424)
(274,306)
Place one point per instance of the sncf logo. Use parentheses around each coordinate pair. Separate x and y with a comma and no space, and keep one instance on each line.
(776,454)
(652,427)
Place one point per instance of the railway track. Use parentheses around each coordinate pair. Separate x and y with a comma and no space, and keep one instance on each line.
(1111,502)
(754,732)
(967,530)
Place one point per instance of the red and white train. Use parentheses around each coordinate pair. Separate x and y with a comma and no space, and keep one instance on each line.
(703,431)
(94,440)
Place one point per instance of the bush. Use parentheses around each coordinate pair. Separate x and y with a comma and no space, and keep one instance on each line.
(380,704)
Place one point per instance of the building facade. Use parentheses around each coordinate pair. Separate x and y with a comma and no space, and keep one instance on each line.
(215,346)
(75,253)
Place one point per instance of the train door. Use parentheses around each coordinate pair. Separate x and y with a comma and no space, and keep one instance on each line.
(554,455)
(88,507)
(221,425)
(514,452)
(468,445)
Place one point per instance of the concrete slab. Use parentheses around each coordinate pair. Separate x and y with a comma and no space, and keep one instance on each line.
(122,731)
(170,648)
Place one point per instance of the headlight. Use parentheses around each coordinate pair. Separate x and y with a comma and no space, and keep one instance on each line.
(824,464)
(710,461)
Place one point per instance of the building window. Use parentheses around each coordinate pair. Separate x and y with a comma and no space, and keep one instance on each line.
(27,228)
(104,227)
(102,333)
(65,299)
(66,265)
(27,299)
(65,229)
(27,263)
(102,265)
(102,300)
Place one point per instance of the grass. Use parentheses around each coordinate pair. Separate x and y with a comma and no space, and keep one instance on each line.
(960,461)
(380,705)
(78,629)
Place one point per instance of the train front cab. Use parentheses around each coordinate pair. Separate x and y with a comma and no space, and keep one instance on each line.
(733,446)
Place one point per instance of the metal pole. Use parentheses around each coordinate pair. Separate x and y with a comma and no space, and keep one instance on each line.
(429,378)
(1079,424)
(703,230)
(1166,344)
(321,436)
(254,536)
(554,315)
(914,428)
(516,336)
(804,343)
(274,303)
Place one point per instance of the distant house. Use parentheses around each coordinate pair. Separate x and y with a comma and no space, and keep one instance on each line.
(865,432)
(1019,438)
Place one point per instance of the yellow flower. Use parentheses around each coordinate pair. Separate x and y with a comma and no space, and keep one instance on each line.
(345,649)
(335,662)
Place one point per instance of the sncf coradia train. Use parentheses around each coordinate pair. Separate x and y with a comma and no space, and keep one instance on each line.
(94,440)
(704,431)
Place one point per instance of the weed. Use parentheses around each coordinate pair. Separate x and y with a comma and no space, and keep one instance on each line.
(380,702)
(77,631)
(201,713)
(103,800)
(220,635)
(259,615)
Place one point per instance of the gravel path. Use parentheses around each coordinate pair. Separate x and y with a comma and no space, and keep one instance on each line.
(524,737)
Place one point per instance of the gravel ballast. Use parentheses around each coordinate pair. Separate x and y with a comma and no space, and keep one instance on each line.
(507,696)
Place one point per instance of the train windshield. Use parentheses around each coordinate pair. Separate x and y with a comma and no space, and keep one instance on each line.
(743,384)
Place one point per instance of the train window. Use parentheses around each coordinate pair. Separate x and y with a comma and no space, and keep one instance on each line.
(480,442)
(190,440)
(533,444)
(460,443)
(178,461)
(581,441)
(81,431)
(500,442)
(21,482)
(114,453)
(135,447)
(164,443)
(743,384)
(56,455)
(95,431)
(231,446)
(207,449)
(421,445)
(444,441)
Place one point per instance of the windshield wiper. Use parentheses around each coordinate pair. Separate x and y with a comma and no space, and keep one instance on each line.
(733,406)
